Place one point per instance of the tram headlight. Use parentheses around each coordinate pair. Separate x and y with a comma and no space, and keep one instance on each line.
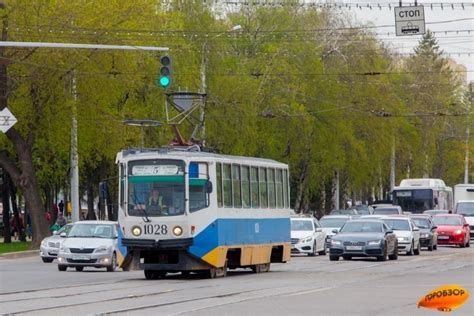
(177,230)
(136,231)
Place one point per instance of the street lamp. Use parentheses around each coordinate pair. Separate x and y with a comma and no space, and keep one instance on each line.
(203,76)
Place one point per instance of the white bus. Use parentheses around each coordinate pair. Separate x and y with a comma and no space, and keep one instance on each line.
(419,195)
(183,210)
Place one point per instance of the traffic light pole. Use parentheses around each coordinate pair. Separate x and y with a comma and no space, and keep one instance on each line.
(74,155)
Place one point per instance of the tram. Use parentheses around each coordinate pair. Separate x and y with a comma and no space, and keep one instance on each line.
(185,210)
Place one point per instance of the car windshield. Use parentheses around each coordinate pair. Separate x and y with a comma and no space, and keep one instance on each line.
(362,227)
(363,211)
(386,211)
(421,222)
(92,230)
(465,208)
(447,220)
(332,222)
(301,225)
(343,212)
(65,229)
(434,212)
(397,224)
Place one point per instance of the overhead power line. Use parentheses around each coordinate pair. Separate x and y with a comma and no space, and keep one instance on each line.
(339,5)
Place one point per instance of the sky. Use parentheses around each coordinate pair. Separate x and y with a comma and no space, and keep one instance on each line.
(451,42)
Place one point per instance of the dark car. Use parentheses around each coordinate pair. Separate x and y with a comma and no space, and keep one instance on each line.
(428,233)
(350,212)
(364,238)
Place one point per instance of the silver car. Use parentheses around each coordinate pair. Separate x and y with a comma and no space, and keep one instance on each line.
(49,248)
(90,244)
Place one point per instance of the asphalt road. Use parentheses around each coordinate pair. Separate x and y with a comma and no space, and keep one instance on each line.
(305,286)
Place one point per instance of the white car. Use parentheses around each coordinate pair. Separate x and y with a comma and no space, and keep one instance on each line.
(49,247)
(466,208)
(90,244)
(307,236)
(330,223)
(407,233)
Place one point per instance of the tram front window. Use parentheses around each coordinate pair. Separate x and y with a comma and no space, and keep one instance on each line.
(156,188)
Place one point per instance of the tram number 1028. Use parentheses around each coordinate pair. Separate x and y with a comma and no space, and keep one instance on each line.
(155,229)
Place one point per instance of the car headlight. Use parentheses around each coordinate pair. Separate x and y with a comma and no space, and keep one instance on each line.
(136,231)
(177,231)
(64,249)
(335,242)
(403,239)
(307,239)
(374,242)
(101,249)
(424,235)
(458,232)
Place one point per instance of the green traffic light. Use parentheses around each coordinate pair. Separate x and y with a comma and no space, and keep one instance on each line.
(164,81)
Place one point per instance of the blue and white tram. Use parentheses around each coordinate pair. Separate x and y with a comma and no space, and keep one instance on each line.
(187,210)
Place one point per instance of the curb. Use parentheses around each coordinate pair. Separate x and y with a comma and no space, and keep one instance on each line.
(20,254)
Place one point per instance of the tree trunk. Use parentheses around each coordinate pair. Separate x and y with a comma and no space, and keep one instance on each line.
(90,201)
(7,238)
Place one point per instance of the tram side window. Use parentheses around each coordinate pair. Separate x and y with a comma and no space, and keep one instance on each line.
(279,187)
(198,179)
(285,189)
(254,187)
(219,184)
(122,184)
(262,177)
(271,188)
(236,186)
(245,187)
(227,182)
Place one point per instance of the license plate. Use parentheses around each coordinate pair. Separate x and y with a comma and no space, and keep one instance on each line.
(81,257)
(443,237)
(53,252)
(354,247)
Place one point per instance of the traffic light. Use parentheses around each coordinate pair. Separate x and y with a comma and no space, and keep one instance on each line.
(165,71)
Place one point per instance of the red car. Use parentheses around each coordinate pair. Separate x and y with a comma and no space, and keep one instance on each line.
(452,229)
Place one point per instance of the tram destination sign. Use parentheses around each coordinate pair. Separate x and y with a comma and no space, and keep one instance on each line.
(410,20)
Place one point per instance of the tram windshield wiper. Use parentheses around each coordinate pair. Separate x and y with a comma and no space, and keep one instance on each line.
(141,208)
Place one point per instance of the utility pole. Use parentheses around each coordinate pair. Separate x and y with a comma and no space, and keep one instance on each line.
(76,205)
(468,135)
(336,200)
(392,165)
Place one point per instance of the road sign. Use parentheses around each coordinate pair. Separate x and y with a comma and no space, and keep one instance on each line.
(410,20)
(7,120)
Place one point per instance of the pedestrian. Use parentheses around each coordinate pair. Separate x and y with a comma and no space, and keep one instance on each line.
(47,216)
(61,220)
(61,206)
(14,228)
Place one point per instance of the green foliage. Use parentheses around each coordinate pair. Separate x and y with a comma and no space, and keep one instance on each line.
(320,101)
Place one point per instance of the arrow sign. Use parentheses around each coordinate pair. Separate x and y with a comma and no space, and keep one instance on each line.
(7,120)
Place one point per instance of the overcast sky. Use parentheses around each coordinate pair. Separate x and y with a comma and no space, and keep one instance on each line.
(451,42)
